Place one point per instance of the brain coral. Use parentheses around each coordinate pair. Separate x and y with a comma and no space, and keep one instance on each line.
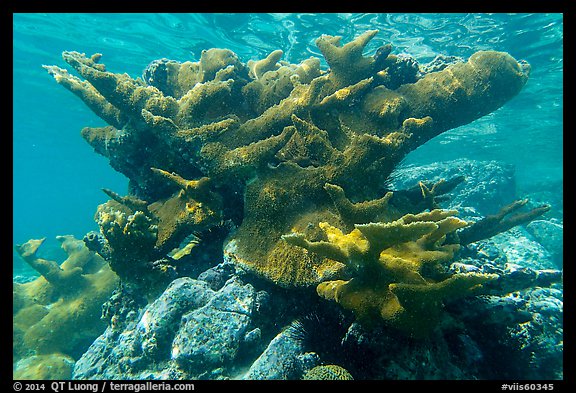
(330,372)
(275,149)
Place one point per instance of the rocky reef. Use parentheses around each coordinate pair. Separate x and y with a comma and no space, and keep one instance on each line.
(262,192)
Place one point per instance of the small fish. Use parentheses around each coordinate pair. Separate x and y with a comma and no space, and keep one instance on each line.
(185,247)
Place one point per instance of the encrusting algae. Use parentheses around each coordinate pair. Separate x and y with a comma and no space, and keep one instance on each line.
(293,161)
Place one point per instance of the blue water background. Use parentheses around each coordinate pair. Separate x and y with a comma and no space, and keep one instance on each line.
(58,178)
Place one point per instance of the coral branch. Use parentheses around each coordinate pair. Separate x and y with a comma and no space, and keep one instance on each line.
(393,267)
(193,209)
(481,85)
(196,189)
(361,212)
(129,201)
(243,162)
(122,91)
(198,104)
(346,95)
(64,280)
(325,249)
(500,222)
(424,195)
(91,97)
(347,63)
(260,67)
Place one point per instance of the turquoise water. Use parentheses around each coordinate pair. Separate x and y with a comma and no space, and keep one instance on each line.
(58,178)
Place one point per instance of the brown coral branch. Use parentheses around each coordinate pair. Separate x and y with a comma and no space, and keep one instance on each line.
(515,278)
(361,212)
(208,132)
(323,248)
(104,140)
(423,195)
(347,63)
(199,189)
(198,104)
(242,162)
(130,201)
(430,196)
(346,95)
(500,222)
(123,92)
(478,84)
(260,67)
(91,97)
(159,123)
(65,280)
